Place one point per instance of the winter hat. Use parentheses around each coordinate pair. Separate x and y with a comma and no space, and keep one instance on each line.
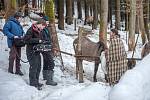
(18,14)
(41,21)
(45,18)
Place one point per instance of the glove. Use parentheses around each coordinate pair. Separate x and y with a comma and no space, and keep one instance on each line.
(15,37)
(46,42)
(40,41)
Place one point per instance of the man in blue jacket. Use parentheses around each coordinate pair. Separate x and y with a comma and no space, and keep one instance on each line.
(12,29)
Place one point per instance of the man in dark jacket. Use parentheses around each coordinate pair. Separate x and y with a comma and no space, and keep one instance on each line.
(12,29)
(36,35)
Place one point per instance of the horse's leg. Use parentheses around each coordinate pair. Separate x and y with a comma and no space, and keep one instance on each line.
(80,71)
(77,68)
(95,70)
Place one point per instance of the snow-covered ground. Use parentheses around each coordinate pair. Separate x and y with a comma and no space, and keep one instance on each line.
(134,85)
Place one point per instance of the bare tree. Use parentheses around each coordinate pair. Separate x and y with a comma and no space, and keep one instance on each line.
(2,5)
(117,13)
(86,9)
(103,21)
(110,12)
(69,12)
(34,3)
(132,17)
(79,9)
(95,11)
(141,20)
(10,8)
(146,18)
(61,14)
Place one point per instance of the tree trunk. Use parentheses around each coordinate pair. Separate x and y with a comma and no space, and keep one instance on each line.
(110,13)
(146,18)
(34,3)
(90,2)
(103,21)
(26,8)
(73,8)
(79,9)
(2,5)
(69,19)
(11,8)
(49,11)
(61,14)
(95,18)
(132,17)
(117,14)
(86,9)
(141,21)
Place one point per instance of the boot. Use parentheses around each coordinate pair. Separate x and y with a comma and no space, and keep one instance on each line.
(44,72)
(50,81)
(38,86)
(10,71)
(19,73)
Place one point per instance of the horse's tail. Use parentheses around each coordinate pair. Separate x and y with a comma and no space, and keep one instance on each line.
(101,46)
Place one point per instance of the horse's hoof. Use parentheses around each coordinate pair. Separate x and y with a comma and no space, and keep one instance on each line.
(81,81)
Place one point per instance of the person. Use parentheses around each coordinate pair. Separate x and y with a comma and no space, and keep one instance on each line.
(36,35)
(12,29)
(116,62)
(48,62)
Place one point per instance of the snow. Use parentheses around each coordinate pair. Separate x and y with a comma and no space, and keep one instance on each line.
(134,85)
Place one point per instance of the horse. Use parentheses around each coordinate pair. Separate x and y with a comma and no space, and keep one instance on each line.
(90,51)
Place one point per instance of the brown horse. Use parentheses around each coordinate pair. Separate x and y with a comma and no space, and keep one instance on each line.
(90,51)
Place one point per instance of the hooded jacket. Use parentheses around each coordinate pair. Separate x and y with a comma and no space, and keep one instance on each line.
(12,28)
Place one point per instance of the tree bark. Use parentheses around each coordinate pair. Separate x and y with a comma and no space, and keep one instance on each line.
(132,17)
(61,14)
(95,18)
(34,5)
(10,8)
(103,21)
(141,21)
(86,9)
(110,13)
(146,18)
(117,14)
(79,9)
(69,13)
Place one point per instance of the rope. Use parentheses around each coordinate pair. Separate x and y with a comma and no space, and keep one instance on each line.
(70,54)
(75,54)
(23,60)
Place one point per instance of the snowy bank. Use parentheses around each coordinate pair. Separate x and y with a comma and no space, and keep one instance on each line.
(14,88)
(135,84)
